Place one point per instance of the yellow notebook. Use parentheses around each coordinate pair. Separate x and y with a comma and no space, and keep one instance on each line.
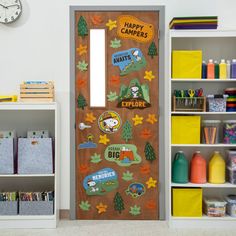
(186,64)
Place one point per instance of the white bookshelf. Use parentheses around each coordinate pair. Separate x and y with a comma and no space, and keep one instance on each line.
(216,44)
(23,117)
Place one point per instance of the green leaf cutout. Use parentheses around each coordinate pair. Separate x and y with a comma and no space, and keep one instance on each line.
(127,176)
(84,206)
(116,43)
(112,96)
(82,66)
(96,158)
(135,210)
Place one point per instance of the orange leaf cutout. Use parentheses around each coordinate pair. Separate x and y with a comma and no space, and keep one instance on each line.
(145,169)
(84,169)
(115,80)
(151,205)
(146,134)
(96,19)
(81,83)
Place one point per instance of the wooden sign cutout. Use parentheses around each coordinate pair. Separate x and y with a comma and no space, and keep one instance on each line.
(130,27)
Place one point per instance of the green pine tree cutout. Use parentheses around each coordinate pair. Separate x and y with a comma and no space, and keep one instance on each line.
(82,66)
(118,203)
(96,158)
(84,206)
(127,132)
(127,176)
(116,43)
(135,210)
(152,50)
(81,102)
(112,96)
(149,152)
(82,27)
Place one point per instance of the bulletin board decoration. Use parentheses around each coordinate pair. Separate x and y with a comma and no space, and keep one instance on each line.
(111,24)
(130,27)
(115,43)
(82,49)
(152,50)
(138,120)
(118,203)
(96,20)
(145,169)
(151,204)
(149,76)
(145,134)
(90,117)
(112,97)
(152,119)
(84,169)
(81,83)
(127,131)
(109,122)
(127,176)
(82,66)
(149,152)
(129,60)
(135,210)
(136,95)
(96,158)
(84,205)
(103,139)
(115,80)
(101,182)
(81,101)
(136,190)
(82,27)
(151,183)
(102,208)
(89,144)
(122,154)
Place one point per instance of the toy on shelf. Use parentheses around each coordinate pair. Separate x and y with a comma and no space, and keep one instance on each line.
(189,100)
(12,98)
(37,91)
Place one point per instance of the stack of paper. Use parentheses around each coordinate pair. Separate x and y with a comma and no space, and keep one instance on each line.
(199,22)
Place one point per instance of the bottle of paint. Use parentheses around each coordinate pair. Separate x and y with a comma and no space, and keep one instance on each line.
(217,169)
(180,168)
(233,69)
(223,69)
(217,70)
(204,70)
(210,70)
(198,169)
(228,64)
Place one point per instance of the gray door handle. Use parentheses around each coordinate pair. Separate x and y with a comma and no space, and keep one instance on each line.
(83,126)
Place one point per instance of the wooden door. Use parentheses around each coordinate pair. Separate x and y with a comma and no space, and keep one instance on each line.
(117,144)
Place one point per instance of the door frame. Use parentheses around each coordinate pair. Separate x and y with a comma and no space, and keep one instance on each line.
(161,10)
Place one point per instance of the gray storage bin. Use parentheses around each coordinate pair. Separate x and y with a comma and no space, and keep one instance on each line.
(35,156)
(6,156)
(36,208)
(8,207)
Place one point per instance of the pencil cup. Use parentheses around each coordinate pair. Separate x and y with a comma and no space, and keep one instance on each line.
(210,131)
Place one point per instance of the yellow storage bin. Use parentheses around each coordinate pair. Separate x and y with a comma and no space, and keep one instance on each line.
(187,202)
(185,129)
(186,64)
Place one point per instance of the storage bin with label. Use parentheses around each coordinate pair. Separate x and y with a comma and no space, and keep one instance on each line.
(8,203)
(231,205)
(229,131)
(210,131)
(217,103)
(35,156)
(214,207)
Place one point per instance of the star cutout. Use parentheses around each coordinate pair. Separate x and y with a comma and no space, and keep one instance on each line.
(90,117)
(138,120)
(149,76)
(103,139)
(82,49)
(151,183)
(151,118)
(111,24)
(101,208)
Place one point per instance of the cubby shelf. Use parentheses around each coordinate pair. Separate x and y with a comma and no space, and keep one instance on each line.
(23,176)
(207,185)
(204,145)
(204,80)
(201,113)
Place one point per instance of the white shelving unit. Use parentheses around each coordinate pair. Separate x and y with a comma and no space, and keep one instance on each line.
(23,117)
(215,44)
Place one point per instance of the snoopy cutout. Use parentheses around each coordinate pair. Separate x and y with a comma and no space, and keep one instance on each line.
(135,91)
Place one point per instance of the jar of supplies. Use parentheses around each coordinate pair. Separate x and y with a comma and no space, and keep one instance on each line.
(210,131)
(229,131)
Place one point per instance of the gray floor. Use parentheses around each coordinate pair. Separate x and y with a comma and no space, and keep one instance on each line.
(121,228)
